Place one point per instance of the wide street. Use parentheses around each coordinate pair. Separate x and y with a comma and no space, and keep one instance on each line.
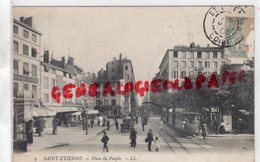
(74,141)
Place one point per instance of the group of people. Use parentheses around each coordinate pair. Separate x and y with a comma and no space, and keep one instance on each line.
(133,137)
(30,124)
(149,139)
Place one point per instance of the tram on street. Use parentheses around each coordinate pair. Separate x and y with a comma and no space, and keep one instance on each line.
(184,121)
(187,122)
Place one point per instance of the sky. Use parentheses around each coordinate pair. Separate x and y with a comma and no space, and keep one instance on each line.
(95,35)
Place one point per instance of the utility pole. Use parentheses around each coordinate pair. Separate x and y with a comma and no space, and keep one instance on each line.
(87,121)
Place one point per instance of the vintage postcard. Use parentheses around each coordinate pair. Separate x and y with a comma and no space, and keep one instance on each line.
(133,83)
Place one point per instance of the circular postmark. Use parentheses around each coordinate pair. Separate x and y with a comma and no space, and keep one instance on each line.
(223,25)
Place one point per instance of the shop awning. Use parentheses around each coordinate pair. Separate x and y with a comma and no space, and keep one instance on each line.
(93,111)
(60,109)
(76,113)
(43,112)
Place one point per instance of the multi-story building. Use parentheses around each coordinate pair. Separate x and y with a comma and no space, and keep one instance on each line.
(59,73)
(26,58)
(116,104)
(190,60)
(89,101)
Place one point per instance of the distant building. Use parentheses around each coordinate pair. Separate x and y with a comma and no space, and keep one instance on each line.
(190,60)
(88,79)
(116,70)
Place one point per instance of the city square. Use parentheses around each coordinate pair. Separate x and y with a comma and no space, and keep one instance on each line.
(103,99)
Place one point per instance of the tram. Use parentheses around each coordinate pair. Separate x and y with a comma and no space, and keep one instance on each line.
(186,122)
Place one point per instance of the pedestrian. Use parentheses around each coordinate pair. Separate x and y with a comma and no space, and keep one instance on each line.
(92,123)
(204,131)
(104,122)
(116,123)
(143,123)
(149,139)
(54,126)
(40,125)
(108,124)
(133,137)
(136,119)
(29,131)
(161,124)
(157,144)
(105,140)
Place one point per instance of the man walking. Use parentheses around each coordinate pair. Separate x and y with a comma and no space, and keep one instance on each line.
(104,140)
(150,139)
(133,137)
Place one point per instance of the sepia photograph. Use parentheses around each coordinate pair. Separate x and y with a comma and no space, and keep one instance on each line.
(133,83)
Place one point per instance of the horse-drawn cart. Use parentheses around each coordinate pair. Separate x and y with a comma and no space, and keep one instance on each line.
(126,125)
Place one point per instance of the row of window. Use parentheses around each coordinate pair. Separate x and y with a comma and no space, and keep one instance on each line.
(180,54)
(25,49)
(26,69)
(25,87)
(25,33)
(105,102)
(127,77)
(46,84)
(182,74)
(199,64)
(53,71)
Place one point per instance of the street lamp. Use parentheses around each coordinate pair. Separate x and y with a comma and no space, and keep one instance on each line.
(87,121)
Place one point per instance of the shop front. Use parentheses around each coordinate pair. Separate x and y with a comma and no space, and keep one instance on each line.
(67,115)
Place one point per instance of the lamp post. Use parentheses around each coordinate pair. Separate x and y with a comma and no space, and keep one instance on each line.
(83,118)
(87,121)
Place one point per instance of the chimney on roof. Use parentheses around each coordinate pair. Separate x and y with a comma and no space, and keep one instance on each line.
(71,60)
(21,19)
(120,66)
(28,21)
(192,45)
(46,56)
(63,60)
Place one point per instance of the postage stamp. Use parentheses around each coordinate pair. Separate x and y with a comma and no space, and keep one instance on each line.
(221,28)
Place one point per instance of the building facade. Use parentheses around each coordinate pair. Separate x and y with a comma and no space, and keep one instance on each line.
(117,70)
(26,58)
(188,61)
